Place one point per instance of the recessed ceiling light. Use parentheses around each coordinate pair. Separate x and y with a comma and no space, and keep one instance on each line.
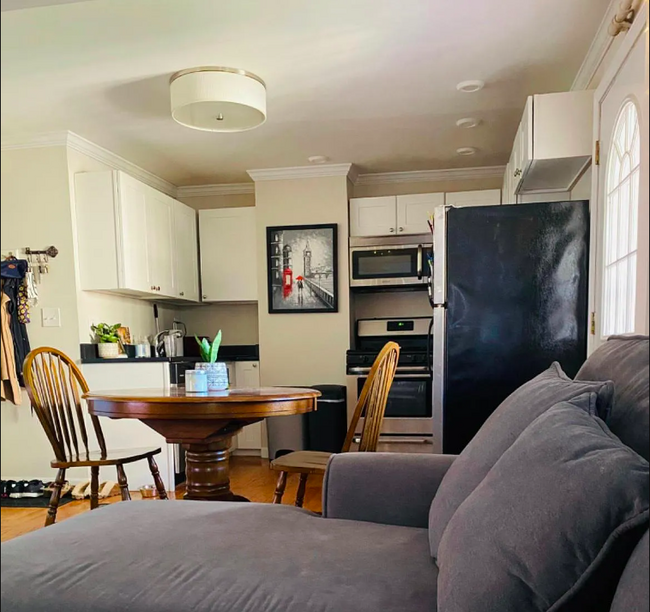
(466,151)
(470,86)
(318,159)
(468,123)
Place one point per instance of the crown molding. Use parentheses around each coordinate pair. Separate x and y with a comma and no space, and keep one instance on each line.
(34,141)
(425,176)
(600,45)
(301,172)
(194,191)
(78,143)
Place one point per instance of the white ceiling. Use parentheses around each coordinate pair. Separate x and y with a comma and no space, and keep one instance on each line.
(365,81)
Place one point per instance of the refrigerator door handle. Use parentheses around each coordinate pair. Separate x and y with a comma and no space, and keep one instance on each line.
(439,377)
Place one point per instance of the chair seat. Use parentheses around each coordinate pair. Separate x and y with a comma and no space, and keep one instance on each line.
(112,457)
(302,462)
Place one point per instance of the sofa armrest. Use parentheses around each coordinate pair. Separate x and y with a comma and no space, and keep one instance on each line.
(388,488)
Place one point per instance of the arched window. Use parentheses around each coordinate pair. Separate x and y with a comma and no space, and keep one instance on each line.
(622,224)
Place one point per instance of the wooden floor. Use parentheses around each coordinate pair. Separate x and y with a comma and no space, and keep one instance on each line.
(250,477)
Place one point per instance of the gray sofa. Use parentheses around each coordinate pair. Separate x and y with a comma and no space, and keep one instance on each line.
(368,553)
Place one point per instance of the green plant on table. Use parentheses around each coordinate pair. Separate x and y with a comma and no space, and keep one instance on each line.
(106,334)
(209,351)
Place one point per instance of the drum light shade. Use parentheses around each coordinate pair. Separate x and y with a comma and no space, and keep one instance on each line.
(216,99)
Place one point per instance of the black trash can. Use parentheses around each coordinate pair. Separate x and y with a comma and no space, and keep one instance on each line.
(326,427)
(322,430)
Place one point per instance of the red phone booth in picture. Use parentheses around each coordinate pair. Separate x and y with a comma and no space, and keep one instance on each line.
(287,282)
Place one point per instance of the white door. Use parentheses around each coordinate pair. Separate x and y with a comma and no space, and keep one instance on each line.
(247,375)
(228,255)
(133,235)
(373,216)
(620,186)
(414,212)
(160,242)
(486,197)
(186,253)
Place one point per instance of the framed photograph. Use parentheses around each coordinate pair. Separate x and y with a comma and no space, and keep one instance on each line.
(302,264)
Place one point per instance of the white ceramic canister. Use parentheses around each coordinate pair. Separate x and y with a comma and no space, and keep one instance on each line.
(196,381)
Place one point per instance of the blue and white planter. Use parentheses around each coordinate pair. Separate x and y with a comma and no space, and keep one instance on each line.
(217,374)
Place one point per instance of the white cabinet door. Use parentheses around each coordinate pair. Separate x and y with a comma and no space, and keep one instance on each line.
(414,211)
(186,252)
(133,251)
(486,197)
(247,376)
(228,254)
(160,242)
(373,216)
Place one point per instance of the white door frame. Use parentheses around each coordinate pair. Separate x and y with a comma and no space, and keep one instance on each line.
(639,29)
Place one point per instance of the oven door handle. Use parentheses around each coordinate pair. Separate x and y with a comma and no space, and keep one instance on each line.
(420,262)
(357,440)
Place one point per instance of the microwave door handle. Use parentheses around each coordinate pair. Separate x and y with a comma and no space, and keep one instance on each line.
(420,262)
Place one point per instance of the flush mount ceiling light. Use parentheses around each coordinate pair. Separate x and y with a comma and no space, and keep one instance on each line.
(470,86)
(217,99)
(466,151)
(468,123)
(318,159)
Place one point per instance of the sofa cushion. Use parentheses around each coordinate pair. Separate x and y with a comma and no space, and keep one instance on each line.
(633,593)
(625,360)
(551,526)
(179,556)
(497,435)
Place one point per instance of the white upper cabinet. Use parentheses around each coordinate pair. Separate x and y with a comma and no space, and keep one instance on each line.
(554,143)
(160,243)
(373,216)
(228,238)
(413,212)
(187,260)
(126,237)
(487,197)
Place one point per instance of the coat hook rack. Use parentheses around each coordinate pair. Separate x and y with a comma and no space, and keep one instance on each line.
(51,251)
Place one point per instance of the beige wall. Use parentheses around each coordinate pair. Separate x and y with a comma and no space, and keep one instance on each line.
(303,349)
(238,322)
(237,200)
(369,191)
(36,213)
(102,308)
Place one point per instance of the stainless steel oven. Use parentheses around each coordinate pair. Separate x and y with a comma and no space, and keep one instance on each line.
(400,261)
(408,420)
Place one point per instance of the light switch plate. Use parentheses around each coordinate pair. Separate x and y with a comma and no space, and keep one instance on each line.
(51,317)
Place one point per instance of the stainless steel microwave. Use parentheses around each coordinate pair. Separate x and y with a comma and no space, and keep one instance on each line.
(399,261)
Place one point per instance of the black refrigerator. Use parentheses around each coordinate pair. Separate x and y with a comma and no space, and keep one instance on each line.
(510,296)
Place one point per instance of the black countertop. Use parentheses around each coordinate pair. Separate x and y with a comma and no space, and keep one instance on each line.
(248,352)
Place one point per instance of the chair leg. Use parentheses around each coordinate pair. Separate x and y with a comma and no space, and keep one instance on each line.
(160,485)
(124,485)
(94,487)
(280,487)
(55,498)
(302,487)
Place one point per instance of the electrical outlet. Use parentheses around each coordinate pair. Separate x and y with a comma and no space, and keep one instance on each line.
(51,317)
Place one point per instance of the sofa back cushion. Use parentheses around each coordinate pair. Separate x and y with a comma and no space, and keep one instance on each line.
(499,433)
(633,593)
(552,525)
(625,360)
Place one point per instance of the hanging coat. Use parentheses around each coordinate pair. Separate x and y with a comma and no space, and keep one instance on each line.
(10,385)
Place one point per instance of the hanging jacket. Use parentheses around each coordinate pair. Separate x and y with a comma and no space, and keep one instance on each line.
(13,273)
(10,384)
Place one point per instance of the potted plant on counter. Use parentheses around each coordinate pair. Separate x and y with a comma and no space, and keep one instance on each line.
(108,340)
(217,373)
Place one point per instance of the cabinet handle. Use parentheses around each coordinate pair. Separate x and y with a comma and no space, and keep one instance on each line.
(401,229)
(392,230)
(254,365)
(205,297)
(182,293)
(153,287)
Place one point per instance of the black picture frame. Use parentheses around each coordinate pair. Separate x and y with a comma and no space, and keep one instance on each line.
(309,290)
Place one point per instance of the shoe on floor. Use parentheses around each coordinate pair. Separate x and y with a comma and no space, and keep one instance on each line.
(33,488)
(16,490)
(4,489)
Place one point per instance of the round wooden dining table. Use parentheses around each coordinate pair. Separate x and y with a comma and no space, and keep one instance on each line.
(203,423)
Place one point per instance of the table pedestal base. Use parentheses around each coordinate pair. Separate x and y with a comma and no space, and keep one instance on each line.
(207,471)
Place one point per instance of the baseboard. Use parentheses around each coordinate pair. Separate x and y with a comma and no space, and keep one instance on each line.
(247,452)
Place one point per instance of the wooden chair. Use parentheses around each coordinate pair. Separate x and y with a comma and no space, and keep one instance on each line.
(371,404)
(55,386)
